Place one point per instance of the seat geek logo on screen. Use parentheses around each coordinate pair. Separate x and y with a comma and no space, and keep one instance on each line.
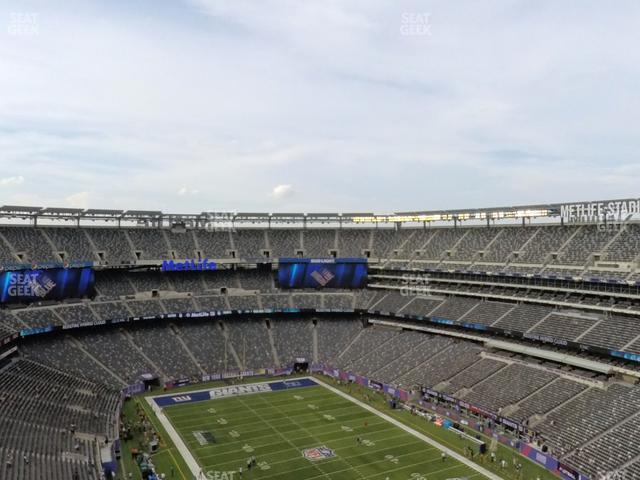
(30,284)
(49,284)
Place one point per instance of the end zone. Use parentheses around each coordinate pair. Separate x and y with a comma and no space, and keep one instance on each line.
(232,391)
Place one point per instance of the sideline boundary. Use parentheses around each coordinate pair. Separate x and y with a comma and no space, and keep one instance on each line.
(176,438)
(196,469)
(415,433)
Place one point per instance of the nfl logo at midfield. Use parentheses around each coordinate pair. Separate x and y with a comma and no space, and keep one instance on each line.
(318,453)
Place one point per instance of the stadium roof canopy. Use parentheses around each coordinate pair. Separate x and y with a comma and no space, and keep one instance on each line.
(581,211)
(142,213)
(61,211)
(102,211)
(17,209)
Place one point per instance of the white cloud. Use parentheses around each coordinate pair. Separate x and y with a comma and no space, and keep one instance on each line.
(282,191)
(78,200)
(187,191)
(10,181)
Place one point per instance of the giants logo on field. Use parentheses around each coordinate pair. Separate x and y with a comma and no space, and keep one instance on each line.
(182,398)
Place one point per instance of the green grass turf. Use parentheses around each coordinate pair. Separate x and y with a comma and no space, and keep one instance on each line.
(166,460)
(277,426)
(530,470)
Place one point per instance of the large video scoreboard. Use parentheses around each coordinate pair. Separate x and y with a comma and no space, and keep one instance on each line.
(322,272)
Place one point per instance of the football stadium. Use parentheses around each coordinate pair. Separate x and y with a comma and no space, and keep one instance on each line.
(319,240)
(482,343)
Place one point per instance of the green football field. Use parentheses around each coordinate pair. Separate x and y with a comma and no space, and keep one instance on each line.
(278,427)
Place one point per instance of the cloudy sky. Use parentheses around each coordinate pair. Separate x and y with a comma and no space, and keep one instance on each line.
(289,105)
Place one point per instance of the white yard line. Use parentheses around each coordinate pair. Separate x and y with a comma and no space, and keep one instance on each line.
(296,412)
(253,438)
(346,439)
(176,438)
(413,432)
(431,472)
(386,472)
(336,459)
(187,409)
(355,469)
(293,445)
(195,468)
(191,462)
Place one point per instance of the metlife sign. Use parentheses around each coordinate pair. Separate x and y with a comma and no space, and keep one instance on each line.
(188,265)
(594,211)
